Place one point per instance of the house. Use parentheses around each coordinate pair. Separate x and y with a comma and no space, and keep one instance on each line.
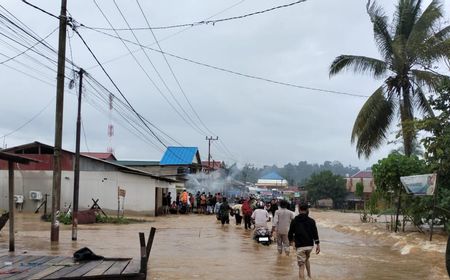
(176,164)
(366,179)
(212,165)
(99,179)
(272,180)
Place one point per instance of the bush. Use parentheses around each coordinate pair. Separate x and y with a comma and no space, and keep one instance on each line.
(116,220)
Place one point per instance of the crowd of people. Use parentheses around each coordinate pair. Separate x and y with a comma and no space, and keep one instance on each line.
(288,229)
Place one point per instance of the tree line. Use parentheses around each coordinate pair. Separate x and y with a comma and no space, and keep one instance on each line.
(296,174)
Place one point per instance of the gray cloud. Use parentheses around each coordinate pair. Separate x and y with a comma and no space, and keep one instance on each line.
(259,122)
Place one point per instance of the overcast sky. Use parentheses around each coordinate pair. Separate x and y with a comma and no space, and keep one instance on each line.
(257,122)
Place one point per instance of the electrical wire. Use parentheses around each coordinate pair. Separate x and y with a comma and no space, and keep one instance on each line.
(169,36)
(84,136)
(117,88)
(171,69)
(236,72)
(30,120)
(126,107)
(40,9)
(48,58)
(188,121)
(203,22)
(138,133)
(27,49)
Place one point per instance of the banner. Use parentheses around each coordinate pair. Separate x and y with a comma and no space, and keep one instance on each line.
(419,184)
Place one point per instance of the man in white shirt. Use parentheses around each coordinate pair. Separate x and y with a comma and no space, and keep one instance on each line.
(281,222)
(260,216)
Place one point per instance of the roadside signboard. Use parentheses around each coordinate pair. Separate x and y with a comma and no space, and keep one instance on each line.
(420,184)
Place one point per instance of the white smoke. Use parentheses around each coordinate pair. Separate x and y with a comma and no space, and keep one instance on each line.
(216,182)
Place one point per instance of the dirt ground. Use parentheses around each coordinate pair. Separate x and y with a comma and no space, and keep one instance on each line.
(198,247)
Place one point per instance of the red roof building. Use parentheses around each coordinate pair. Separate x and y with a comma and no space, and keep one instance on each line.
(213,165)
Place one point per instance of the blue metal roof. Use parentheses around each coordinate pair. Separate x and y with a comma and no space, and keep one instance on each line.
(272,176)
(179,156)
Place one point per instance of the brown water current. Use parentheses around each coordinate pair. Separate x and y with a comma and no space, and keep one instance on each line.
(198,247)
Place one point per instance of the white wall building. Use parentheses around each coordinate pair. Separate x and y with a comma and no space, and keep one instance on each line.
(99,179)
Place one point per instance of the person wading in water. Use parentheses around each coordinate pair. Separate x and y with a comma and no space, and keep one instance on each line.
(281,222)
(303,231)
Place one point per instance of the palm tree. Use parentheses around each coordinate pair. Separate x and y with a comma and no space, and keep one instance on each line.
(409,47)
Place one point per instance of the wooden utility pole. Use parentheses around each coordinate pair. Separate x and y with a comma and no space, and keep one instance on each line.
(56,188)
(76,177)
(209,149)
(11,204)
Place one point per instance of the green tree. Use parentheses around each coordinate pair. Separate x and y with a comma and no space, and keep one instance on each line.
(359,190)
(437,146)
(409,47)
(387,173)
(326,185)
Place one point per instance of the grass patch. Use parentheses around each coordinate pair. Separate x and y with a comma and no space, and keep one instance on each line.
(117,220)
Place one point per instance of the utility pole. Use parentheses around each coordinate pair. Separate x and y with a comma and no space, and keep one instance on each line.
(209,149)
(56,188)
(76,177)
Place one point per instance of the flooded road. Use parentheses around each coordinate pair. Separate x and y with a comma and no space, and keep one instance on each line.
(198,247)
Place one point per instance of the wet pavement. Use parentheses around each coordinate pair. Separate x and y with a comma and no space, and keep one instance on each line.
(198,247)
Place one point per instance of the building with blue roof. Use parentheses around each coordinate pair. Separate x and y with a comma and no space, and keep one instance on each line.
(272,180)
(181,156)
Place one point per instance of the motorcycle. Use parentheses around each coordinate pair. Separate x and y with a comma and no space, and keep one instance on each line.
(263,236)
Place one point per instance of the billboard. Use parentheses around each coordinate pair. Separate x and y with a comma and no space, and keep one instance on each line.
(419,184)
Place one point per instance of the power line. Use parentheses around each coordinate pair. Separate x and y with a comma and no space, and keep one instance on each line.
(191,123)
(203,22)
(31,34)
(42,41)
(27,49)
(171,69)
(237,73)
(170,36)
(84,134)
(138,132)
(123,104)
(30,120)
(117,88)
(40,9)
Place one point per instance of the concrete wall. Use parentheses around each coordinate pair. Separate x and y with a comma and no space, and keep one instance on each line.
(140,190)
(368,183)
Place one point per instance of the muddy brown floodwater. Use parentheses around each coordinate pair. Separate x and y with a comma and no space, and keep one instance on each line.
(198,247)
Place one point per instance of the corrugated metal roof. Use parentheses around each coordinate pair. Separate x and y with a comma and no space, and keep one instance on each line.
(137,162)
(272,176)
(179,156)
(99,155)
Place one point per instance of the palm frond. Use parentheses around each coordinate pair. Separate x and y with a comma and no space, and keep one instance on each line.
(406,14)
(428,79)
(372,123)
(358,64)
(421,102)
(438,51)
(423,29)
(442,34)
(382,36)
